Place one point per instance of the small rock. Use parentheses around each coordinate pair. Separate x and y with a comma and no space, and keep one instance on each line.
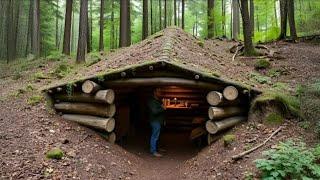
(71,153)
(51,131)
(65,141)
(113,164)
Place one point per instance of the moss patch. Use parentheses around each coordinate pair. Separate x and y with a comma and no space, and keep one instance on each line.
(286,103)
(274,119)
(262,64)
(55,153)
(228,139)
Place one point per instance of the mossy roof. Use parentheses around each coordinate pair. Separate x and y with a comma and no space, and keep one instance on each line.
(172,48)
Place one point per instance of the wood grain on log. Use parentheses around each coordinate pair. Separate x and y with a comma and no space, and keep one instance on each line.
(102,96)
(230,93)
(161,81)
(107,124)
(214,127)
(214,98)
(86,108)
(223,112)
(90,87)
(197,132)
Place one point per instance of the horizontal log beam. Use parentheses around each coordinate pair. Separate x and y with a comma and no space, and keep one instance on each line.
(214,127)
(107,124)
(86,108)
(161,81)
(216,113)
(102,96)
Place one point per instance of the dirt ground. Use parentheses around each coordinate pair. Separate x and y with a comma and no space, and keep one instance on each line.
(27,132)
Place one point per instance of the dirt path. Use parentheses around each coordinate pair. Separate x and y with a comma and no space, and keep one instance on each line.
(177,151)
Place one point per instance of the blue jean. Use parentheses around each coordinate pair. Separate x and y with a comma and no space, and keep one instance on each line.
(155,133)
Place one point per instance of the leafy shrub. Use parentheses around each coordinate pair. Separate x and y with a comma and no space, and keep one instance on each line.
(61,70)
(55,56)
(17,75)
(260,79)
(39,75)
(262,64)
(290,161)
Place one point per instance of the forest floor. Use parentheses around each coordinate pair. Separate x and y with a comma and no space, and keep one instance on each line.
(29,129)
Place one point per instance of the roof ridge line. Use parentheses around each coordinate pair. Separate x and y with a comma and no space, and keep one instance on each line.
(166,47)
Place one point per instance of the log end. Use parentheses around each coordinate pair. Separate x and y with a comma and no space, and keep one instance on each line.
(111,110)
(88,86)
(214,98)
(230,93)
(110,125)
(112,138)
(211,127)
(110,96)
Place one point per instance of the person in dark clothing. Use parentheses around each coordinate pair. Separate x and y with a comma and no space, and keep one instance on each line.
(156,119)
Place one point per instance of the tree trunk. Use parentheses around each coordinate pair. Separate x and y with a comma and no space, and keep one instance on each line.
(83,26)
(151,17)
(57,24)
(36,30)
(145,20)
(30,25)
(165,14)
(125,27)
(182,15)
(67,28)
(112,31)
(252,17)
(214,127)
(283,16)
(88,34)
(210,18)
(223,10)
(175,12)
(107,124)
(160,16)
(235,19)
(86,108)
(293,31)
(102,96)
(10,30)
(216,113)
(247,30)
(101,44)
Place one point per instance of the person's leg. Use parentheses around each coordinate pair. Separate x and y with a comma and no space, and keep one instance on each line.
(155,132)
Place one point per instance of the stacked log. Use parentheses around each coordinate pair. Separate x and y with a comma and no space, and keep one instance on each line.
(224,111)
(93,107)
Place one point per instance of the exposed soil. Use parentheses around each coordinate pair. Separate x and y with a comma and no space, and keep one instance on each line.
(28,132)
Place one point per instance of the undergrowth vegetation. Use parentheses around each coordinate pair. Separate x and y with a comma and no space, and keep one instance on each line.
(290,160)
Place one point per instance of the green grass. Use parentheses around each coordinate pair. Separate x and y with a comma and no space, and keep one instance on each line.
(34,100)
(260,78)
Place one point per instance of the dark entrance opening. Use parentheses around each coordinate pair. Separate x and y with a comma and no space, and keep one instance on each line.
(186,111)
